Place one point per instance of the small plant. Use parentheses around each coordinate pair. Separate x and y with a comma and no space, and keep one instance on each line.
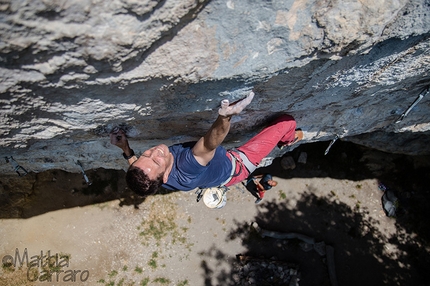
(282,195)
(138,270)
(113,273)
(181,239)
(357,205)
(153,263)
(183,283)
(162,280)
(144,282)
(358,186)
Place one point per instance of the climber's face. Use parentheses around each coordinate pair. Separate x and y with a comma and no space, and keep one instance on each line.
(156,161)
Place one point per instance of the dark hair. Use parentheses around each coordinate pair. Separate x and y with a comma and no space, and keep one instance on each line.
(140,183)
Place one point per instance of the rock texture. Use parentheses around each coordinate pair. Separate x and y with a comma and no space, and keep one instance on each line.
(72,70)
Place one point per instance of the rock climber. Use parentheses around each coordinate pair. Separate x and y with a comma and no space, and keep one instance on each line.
(204,164)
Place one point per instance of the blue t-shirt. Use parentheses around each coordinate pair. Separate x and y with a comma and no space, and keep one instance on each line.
(188,174)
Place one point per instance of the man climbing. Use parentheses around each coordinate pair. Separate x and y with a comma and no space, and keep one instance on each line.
(205,163)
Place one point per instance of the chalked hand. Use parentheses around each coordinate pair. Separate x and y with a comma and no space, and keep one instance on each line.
(118,138)
(236,107)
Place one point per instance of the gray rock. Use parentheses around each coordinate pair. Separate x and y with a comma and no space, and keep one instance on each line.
(72,70)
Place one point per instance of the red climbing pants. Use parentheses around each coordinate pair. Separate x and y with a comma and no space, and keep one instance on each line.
(282,131)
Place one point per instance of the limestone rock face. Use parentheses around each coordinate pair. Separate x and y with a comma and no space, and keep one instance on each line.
(72,70)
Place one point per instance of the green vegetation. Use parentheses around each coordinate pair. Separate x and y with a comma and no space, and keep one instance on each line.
(162,228)
(282,195)
(158,229)
(120,282)
(183,283)
(138,270)
(145,282)
(113,273)
(357,205)
(159,226)
(153,263)
(162,280)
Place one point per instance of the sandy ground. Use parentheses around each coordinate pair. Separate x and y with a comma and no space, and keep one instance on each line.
(101,236)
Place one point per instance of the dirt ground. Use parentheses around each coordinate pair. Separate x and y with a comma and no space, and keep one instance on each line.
(102,235)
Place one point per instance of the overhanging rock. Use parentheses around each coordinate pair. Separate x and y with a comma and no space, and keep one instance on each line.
(72,70)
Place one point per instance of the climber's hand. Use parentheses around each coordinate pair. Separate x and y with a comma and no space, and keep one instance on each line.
(228,109)
(118,138)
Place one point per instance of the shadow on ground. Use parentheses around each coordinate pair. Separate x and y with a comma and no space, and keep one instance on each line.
(362,253)
(38,193)
(359,244)
(357,241)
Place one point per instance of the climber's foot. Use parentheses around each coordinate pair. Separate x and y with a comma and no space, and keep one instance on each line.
(297,137)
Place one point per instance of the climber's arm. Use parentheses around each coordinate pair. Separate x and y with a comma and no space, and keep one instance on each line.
(205,148)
